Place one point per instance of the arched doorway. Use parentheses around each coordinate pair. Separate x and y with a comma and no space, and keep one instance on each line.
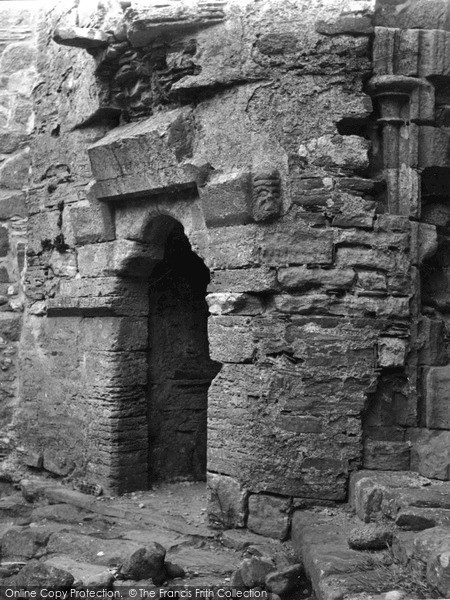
(179,368)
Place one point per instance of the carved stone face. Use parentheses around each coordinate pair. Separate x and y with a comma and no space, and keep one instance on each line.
(266,196)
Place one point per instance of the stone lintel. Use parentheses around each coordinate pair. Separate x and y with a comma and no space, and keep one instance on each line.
(145,158)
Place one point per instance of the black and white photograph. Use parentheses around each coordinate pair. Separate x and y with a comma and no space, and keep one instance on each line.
(225,299)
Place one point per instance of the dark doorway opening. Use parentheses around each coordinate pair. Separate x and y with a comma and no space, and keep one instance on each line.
(180,370)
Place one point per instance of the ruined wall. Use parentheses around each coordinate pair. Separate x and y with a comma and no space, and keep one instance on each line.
(17,77)
(407,420)
(291,155)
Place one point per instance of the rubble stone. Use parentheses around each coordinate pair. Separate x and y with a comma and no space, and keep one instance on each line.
(24,544)
(39,575)
(430,454)
(370,537)
(227,505)
(285,581)
(268,515)
(146,563)
(254,571)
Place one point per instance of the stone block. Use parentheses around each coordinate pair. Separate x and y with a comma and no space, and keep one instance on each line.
(303,279)
(42,230)
(254,571)
(286,581)
(372,281)
(421,14)
(402,546)
(297,246)
(14,171)
(101,296)
(269,515)
(91,224)
(351,211)
(4,241)
(63,264)
(232,247)
(224,303)
(121,369)
(370,537)
(226,200)
(414,518)
(4,275)
(392,352)
(140,158)
(430,453)
(364,258)
(376,493)
(310,192)
(438,571)
(11,140)
(114,333)
(37,574)
(386,456)
(437,391)
(355,306)
(146,562)
(227,501)
(10,326)
(24,544)
(56,463)
(121,257)
(346,25)
(389,223)
(348,153)
(230,339)
(33,459)
(17,57)
(360,240)
(257,280)
(430,541)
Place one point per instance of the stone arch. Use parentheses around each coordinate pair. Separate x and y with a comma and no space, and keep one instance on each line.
(179,368)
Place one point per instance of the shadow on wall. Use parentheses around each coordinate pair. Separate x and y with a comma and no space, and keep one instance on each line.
(169,423)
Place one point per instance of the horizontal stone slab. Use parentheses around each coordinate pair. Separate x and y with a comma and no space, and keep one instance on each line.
(141,157)
(120,257)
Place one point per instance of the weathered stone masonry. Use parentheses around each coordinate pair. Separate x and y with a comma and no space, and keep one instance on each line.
(302,150)
(17,76)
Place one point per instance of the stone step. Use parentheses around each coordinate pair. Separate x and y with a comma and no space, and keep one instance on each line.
(375,494)
(335,570)
(416,519)
(429,550)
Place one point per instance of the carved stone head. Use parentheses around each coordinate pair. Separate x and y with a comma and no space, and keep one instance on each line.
(266,200)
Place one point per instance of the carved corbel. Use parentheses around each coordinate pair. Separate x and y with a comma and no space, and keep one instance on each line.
(266,199)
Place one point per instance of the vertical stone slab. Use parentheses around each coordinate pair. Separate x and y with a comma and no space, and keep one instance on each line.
(227,502)
(437,397)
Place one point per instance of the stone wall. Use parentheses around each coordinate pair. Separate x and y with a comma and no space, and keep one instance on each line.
(288,140)
(18,74)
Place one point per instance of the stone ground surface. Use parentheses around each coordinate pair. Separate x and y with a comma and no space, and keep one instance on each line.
(89,536)
(332,554)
